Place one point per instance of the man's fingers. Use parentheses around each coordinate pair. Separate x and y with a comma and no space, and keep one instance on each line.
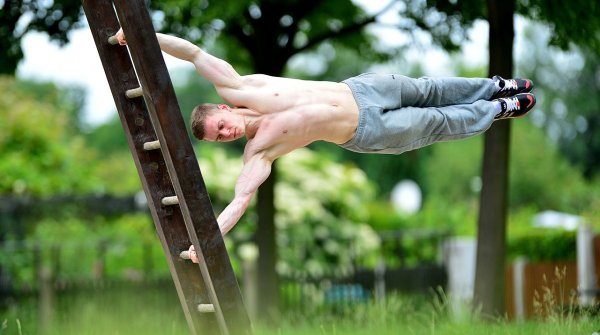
(192,253)
(121,37)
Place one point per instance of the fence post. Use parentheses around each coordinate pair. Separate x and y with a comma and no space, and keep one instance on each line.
(519,287)
(100,265)
(248,255)
(380,280)
(586,273)
(45,291)
(459,260)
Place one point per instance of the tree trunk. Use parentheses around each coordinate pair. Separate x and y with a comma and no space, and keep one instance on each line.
(268,280)
(267,288)
(491,238)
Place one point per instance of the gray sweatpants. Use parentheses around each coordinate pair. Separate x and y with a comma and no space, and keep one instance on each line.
(398,113)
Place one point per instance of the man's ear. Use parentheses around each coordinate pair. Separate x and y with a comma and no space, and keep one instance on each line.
(223,107)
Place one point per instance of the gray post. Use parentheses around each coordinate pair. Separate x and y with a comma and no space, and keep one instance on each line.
(519,287)
(586,273)
(380,281)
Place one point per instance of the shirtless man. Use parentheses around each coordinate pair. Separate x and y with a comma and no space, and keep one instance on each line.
(368,113)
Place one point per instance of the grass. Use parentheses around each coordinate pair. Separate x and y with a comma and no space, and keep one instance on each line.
(154,309)
(145,309)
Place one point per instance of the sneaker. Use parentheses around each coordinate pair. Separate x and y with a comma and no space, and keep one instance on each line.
(510,87)
(515,106)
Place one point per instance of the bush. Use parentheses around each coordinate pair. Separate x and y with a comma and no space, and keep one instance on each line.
(544,245)
(39,154)
(321,213)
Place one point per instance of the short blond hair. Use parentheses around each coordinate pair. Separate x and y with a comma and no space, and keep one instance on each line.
(198,116)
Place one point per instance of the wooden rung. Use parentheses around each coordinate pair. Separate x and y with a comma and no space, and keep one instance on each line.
(134,93)
(206,308)
(152,145)
(113,40)
(168,201)
(185,254)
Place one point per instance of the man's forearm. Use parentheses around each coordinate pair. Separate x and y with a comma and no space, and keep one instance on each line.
(232,213)
(254,173)
(178,47)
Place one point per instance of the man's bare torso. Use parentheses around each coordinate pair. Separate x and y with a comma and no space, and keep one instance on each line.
(292,113)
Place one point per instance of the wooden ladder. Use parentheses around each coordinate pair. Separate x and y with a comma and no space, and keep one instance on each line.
(167,166)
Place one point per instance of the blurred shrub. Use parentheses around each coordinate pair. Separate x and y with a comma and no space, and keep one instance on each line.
(321,214)
(540,176)
(39,153)
(73,249)
(544,245)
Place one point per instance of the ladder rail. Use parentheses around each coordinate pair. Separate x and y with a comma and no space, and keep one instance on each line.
(183,166)
(151,165)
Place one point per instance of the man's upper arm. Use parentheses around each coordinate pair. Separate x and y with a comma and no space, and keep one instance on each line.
(255,171)
(217,71)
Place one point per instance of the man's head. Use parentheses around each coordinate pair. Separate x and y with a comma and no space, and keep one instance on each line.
(212,122)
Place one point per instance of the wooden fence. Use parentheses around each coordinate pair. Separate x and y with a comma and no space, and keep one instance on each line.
(538,288)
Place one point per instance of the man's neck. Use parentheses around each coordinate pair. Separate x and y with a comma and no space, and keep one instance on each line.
(252,124)
(251,120)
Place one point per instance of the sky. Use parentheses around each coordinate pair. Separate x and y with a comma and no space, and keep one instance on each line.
(78,63)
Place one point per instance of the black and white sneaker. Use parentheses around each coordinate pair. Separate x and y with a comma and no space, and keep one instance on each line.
(515,106)
(510,87)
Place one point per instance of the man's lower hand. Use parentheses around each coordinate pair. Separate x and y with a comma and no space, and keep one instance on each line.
(121,37)
(192,254)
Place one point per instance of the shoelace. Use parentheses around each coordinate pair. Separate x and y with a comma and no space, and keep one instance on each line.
(512,104)
(509,84)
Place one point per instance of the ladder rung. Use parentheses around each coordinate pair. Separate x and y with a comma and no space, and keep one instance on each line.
(113,40)
(134,93)
(152,145)
(168,201)
(206,308)
(185,254)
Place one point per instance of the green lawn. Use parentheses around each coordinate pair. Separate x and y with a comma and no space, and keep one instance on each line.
(154,309)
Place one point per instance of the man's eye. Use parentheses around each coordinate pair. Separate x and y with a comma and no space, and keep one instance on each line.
(220,125)
(219,138)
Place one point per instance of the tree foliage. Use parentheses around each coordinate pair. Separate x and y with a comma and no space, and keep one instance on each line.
(321,233)
(264,35)
(40,153)
(570,22)
(17,18)
(567,90)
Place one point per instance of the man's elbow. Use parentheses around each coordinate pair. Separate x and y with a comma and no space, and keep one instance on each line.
(196,56)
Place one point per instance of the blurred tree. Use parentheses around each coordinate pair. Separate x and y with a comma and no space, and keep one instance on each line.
(40,154)
(452,18)
(537,170)
(68,99)
(491,231)
(108,137)
(568,112)
(40,151)
(580,141)
(17,18)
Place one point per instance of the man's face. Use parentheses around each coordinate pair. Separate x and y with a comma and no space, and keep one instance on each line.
(223,125)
